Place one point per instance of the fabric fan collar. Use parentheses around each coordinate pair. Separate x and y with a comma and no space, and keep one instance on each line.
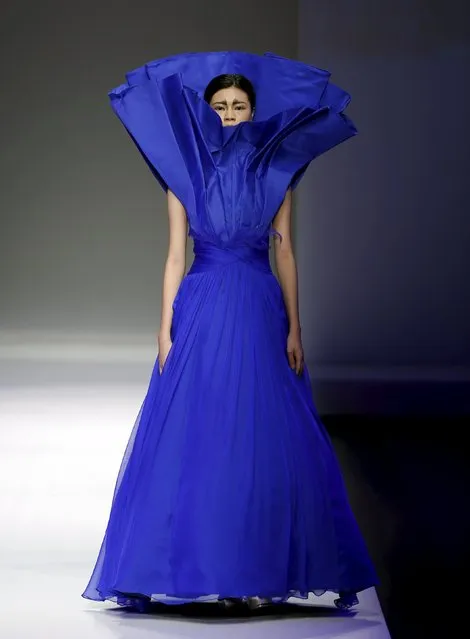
(280,83)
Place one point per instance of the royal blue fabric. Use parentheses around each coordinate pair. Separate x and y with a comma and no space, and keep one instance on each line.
(229,485)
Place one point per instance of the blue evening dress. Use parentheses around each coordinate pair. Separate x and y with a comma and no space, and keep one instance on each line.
(229,485)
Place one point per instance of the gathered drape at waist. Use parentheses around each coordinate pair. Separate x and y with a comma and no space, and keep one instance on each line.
(209,256)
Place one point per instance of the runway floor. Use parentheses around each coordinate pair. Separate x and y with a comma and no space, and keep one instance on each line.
(60,449)
(42,602)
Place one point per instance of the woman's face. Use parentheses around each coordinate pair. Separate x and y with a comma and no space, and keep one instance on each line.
(232,105)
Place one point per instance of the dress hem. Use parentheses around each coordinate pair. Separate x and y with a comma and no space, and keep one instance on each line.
(141,600)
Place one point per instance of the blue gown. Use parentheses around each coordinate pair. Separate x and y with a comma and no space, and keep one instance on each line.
(229,486)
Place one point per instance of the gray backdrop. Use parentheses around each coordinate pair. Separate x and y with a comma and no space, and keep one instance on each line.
(381,232)
(384,219)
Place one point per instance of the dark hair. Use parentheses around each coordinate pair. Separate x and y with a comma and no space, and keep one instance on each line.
(227,80)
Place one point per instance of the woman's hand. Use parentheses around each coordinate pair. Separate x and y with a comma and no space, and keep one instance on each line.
(295,352)
(164,346)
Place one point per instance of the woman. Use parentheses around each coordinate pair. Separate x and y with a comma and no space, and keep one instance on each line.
(229,489)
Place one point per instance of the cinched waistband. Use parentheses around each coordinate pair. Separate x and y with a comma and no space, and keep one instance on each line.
(209,256)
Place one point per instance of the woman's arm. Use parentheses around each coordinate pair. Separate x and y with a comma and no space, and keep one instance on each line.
(175,265)
(287,272)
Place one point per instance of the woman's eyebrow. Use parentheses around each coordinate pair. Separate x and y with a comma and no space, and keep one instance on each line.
(225,102)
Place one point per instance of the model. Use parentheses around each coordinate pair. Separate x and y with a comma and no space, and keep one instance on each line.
(229,488)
